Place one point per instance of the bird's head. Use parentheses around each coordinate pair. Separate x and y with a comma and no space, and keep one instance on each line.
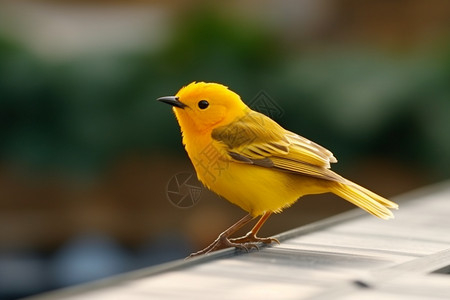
(202,106)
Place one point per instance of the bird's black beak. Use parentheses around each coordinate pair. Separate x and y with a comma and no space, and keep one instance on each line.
(172,100)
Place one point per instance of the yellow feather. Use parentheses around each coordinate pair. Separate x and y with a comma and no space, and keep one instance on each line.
(252,161)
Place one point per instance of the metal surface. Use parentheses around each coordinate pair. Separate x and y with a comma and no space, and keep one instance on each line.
(350,256)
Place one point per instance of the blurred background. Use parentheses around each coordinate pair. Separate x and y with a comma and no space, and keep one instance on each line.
(86,153)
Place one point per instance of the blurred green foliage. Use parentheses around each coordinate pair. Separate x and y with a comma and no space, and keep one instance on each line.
(78,116)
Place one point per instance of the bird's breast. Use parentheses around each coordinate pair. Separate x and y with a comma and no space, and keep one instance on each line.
(210,160)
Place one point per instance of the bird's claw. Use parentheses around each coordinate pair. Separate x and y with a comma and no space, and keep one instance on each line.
(245,243)
(253,239)
(246,246)
(223,242)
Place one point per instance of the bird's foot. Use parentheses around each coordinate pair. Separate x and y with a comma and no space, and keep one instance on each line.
(223,242)
(253,239)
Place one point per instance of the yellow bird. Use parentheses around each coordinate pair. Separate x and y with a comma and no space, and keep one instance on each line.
(250,160)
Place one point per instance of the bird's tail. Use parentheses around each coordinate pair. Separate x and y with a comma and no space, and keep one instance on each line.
(365,199)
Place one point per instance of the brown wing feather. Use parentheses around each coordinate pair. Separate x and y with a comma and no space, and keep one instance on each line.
(257,139)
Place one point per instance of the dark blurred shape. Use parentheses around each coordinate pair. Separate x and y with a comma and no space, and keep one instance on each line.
(22,274)
(401,24)
(163,248)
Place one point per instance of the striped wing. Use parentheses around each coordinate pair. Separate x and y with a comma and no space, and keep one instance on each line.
(257,139)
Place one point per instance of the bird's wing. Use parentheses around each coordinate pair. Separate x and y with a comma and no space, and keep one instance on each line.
(257,139)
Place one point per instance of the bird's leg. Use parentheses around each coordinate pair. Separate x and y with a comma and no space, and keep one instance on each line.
(223,242)
(251,236)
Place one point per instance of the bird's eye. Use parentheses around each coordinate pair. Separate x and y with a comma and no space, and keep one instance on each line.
(202,104)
